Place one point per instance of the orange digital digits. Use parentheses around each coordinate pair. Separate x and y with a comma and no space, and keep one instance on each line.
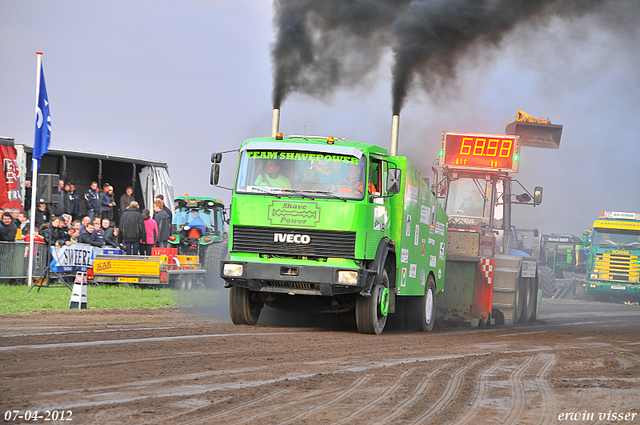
(480,146)
(480,151)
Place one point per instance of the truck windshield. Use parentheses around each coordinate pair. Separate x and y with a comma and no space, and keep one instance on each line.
(616,238)
(201,218)
(469,198)
(305,174)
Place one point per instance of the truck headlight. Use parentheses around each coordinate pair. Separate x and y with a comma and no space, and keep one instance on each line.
(593,276)
(234,270)
(349,277)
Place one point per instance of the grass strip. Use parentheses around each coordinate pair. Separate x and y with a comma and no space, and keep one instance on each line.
(18,299)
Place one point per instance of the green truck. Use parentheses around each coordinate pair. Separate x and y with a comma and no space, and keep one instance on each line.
(328,225)
(613,267)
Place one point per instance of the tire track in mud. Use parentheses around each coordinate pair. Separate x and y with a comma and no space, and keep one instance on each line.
(480,392)
(448,396)
(518,399)
(548,402)
(340,395)
(376,400)
(237,407)
(173,416)
(418,393)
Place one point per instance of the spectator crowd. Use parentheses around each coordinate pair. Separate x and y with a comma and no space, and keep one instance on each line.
(136,232)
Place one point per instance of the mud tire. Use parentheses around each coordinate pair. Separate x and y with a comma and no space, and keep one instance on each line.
(370,315)
(210,260)
(244,306)
(547,281)
(529,299)
(519,300)
(428,306)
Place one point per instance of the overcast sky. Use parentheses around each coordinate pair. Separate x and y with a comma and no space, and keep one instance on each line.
(175,80)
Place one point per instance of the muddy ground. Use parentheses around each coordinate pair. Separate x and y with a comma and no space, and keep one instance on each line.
(186,366)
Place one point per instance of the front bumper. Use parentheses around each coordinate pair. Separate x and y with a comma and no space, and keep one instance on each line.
(297,279)
(617,290)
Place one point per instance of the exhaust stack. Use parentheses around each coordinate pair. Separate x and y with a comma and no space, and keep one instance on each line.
(395,127)
(275,124)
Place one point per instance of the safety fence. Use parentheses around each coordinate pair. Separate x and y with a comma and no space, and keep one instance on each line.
(14,260)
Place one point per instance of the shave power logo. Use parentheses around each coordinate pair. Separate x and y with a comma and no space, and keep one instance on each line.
(285,213)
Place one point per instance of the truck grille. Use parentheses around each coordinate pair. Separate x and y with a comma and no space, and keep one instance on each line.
(279,286)
(294,242)
(618,267)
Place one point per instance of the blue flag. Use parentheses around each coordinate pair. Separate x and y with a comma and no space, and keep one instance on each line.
(43,121)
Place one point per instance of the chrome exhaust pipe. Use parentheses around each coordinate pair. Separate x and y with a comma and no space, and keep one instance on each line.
(395,128)
(275,124)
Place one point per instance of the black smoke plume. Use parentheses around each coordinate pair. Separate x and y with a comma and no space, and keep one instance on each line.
(324,45)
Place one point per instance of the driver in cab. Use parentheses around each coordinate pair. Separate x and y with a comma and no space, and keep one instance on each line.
(197,222)
(473,205)
(272,177)
(353,185)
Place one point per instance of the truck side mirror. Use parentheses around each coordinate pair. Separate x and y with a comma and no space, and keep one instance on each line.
(216,158)
(537,195)
(394,178)
(215,174)
(535,233)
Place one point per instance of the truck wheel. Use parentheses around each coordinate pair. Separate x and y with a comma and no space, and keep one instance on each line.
(428,306)
(371,312)
(547,281)
(244,306)
(210,261)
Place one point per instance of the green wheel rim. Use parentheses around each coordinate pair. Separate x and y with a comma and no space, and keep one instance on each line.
(383,301)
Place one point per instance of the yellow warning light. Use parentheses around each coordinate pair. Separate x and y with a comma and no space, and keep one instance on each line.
(279,136)
(330,140)
(186,195)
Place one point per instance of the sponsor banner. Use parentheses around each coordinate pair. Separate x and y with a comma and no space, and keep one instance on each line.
(126,267)
(613,224)
(10,196)
(75,257)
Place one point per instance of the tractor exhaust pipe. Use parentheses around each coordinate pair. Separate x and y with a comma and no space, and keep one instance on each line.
(395,127)
(275,124)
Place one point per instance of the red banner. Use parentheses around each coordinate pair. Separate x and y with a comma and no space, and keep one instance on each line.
(10,181)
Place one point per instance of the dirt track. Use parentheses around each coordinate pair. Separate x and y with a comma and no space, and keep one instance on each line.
(173,366)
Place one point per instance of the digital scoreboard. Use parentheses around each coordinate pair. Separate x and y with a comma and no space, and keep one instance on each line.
(480,151)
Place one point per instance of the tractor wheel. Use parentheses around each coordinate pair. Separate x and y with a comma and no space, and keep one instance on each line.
(428,306)
(188,282)
(177,283)
(547,281)
(529,300)
(244,306)
(210,261)
(371,311)
(519,300)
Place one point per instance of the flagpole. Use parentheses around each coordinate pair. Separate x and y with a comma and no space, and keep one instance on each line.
(34,180)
